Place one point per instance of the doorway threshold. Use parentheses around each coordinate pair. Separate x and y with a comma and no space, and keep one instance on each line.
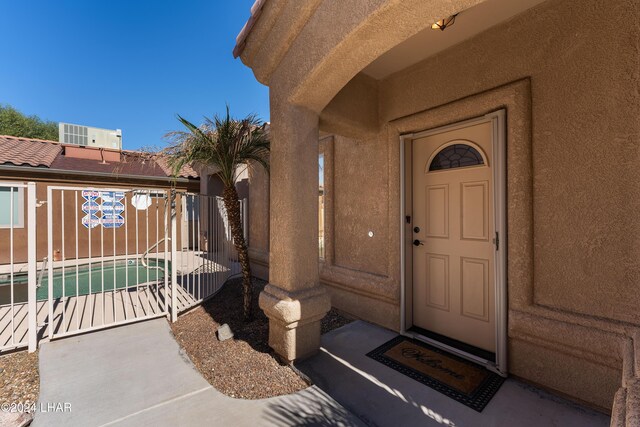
(467,348)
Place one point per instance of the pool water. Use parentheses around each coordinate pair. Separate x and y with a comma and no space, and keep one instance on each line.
(92,278)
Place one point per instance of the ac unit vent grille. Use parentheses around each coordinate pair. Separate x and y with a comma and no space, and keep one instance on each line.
(77,135)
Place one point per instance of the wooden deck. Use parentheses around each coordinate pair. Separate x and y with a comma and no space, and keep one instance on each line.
(95,311)
(75,314)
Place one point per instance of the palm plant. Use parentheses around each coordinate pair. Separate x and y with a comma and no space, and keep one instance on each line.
(229,145)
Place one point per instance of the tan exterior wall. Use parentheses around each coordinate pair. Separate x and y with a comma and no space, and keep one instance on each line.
(259,222)
(354,110)
(570,88)
(584,116)
(360,205)
(356,265)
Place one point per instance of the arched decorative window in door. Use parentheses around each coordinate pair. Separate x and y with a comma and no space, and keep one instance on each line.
(457,155)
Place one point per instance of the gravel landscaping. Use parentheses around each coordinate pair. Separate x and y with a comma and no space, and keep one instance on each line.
(19,378)
(244,366)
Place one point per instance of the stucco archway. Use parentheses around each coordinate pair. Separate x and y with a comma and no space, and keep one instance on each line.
(325,55)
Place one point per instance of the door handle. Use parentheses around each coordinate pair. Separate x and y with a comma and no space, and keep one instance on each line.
(418,243)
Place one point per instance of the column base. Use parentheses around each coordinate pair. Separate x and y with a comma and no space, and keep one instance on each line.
(294,320)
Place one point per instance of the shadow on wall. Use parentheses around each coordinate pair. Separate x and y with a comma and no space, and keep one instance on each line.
(216,188)
(242,187)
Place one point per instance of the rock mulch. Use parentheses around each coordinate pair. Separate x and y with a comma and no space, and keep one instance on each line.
(19,378)
(244,366)
(19,387)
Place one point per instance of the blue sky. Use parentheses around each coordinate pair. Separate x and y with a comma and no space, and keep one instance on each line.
(130,64)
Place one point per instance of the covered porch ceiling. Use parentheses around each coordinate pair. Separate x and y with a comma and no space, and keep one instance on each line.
(428,42)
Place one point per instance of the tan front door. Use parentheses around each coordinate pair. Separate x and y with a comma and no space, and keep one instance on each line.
(453,234)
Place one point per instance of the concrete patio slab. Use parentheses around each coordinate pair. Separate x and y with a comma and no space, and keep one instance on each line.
(381,396)
(137,375)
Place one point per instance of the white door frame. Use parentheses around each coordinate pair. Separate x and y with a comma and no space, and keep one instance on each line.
(497,119)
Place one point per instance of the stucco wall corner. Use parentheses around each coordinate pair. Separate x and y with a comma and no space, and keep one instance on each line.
(632,404)
(354,111)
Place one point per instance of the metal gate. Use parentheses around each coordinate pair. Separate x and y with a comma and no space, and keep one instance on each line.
(207,257)
(108,257)
(17,265)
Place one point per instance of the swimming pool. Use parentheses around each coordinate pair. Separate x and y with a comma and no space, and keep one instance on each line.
(85,279)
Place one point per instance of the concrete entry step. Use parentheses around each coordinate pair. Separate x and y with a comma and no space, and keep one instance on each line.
(382,396)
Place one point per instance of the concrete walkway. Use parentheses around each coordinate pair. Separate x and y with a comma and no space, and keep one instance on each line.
(381,396)
(136,375)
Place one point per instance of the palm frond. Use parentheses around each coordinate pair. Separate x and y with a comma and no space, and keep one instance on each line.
(222,142)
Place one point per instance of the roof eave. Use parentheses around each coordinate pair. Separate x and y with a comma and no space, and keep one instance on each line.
(51,171)
(241,38)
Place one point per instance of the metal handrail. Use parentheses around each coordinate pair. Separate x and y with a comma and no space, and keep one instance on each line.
(41,273)
(152,247)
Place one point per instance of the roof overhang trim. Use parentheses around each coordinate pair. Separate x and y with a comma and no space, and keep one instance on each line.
(49,171)
(241,38)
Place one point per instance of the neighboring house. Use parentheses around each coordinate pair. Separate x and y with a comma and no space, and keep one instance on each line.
(74,168)
(480,183)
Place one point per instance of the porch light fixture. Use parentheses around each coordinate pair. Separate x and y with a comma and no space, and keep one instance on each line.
(444,23)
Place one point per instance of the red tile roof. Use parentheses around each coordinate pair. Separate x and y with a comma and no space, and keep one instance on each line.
(27,151)
(241,38)
(51,154)
(186,172)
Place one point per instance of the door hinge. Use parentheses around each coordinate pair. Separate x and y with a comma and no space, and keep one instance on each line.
(496,241)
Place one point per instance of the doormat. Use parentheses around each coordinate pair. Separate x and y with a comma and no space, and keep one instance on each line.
(462,380)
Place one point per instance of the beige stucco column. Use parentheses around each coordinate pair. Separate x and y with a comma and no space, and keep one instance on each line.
(294,300)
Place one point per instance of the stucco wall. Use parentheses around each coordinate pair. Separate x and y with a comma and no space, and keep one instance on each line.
(356,266)
(360,205)
(585,131)
(258,241)
(354,110)
(583,116)
(570,86)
